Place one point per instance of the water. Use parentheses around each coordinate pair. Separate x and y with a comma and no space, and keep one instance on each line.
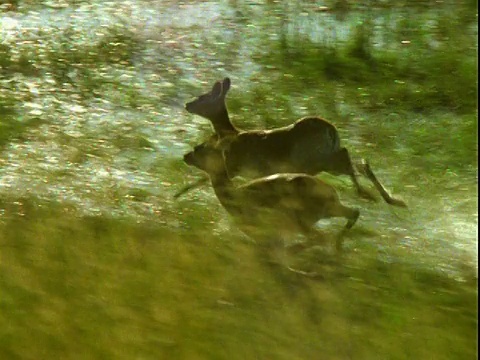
(106,157)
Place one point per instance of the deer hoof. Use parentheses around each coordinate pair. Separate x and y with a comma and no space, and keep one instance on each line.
(397,202)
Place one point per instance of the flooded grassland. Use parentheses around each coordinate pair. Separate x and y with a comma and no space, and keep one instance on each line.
(97,260)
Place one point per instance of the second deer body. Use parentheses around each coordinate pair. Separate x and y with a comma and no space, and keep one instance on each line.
(274,204)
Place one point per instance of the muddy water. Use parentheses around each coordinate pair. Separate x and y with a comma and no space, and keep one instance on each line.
(107,158)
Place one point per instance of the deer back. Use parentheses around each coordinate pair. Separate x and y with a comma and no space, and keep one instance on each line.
(303,147)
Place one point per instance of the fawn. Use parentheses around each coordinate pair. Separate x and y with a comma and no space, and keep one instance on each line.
(279,202)
(310,145)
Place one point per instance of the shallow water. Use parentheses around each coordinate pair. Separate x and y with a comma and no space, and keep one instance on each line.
(107,157)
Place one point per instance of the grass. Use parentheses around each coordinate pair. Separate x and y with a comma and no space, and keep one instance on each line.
(431,69)
(104,288)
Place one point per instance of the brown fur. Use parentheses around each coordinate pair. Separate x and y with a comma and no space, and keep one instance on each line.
(291,202)
(310,145)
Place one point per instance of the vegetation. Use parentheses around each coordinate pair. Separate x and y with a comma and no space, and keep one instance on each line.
(103,288)
(98,261)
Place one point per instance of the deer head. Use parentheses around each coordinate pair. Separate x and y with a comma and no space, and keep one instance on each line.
(212,106)
(212,103)
(207,157)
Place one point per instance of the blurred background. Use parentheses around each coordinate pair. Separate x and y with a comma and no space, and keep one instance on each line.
(97,260)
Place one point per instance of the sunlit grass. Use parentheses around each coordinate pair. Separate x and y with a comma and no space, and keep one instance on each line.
(418,68)
(110,288)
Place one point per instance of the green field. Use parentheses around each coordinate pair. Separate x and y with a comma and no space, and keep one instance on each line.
(98,261)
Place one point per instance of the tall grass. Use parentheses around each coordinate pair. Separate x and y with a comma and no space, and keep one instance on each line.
(92,287)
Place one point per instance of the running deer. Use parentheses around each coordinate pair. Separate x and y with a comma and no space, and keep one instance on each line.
(280,202)
(310,145)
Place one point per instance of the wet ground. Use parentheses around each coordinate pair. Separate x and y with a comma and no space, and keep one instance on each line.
(97,259)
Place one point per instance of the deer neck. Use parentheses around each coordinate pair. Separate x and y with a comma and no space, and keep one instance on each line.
(225,191)
(222,125)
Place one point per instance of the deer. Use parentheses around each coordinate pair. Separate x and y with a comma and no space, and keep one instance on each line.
(310,145)
(280,202)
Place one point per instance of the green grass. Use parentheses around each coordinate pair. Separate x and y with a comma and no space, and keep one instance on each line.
(434,69)
(89,287)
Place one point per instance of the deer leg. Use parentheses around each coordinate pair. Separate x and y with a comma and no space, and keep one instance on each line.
(337,209)
(364,168)
(312,235)
(276,258)
(298,247)
(352,216)
(341,163)
(189,187)
(308,274)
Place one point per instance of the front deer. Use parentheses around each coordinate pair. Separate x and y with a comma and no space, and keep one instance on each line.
(310,145)
(278,203)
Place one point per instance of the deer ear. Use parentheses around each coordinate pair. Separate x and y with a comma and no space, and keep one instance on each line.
(226,86)
(217,89)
